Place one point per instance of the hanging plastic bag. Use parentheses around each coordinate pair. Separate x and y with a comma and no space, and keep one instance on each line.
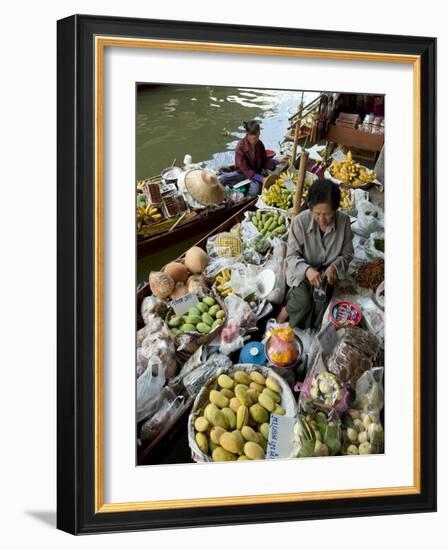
(369,391)
(374,246)
(240,320)
(277,264)
(169,404)
(370,219)
(149,387)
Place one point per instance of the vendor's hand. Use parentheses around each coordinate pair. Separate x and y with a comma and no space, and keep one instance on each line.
(314,277)
(331,274)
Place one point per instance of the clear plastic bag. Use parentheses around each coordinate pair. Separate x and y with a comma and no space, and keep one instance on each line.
(362,433)
(321,389)
(277,264)
(149,388)
(374,246)
(317,434)
(370,392)
(353,355)
(370,219)
(199,376)
(151,306)
(169,404)
(240,320)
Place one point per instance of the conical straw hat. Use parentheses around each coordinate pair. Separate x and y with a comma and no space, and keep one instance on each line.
(204,187)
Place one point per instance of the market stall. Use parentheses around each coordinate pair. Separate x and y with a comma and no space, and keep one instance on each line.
(218,378)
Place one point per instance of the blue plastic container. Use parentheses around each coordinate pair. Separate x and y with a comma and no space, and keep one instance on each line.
(253,353)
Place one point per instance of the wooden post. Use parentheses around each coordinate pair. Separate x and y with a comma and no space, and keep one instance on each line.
(296,141)
(300,179)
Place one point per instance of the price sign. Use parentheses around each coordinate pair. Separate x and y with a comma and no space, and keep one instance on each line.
(184,303)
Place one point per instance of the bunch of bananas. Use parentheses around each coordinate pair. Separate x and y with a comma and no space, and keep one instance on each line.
(148,214)
(278,195)
(347,199)
(351,172)
(221,283)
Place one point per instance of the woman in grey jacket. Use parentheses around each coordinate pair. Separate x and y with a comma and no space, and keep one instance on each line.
(320,249)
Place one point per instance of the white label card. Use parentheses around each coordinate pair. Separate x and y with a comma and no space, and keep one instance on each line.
(281,437)
(184,303)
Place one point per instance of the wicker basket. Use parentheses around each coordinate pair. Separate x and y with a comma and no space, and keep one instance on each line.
(288,402)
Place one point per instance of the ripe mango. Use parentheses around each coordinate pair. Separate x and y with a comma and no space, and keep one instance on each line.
(228,393)
(237,433)
(216,433)
(253,394)
(279,410)
(231,443)
(243,457)
(202,442)
(221,455)
(257,387)
(218,418)
(234,404)
(273,395)
(201,424)
(266,402)
(259,414)
(273,385)
(231,417)
(241,394)
(219,399)
(264,430)
(208,409)
(225,381)
(253,451)
(242,416)
(242,377)
(249,433)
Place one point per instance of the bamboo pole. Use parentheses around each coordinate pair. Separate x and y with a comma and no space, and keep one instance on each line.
(300,179)
(296,141)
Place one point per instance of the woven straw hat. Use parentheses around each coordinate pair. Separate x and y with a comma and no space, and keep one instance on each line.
(204,187)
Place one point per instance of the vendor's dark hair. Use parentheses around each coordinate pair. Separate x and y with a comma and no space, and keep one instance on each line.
(324,191)
(251,127)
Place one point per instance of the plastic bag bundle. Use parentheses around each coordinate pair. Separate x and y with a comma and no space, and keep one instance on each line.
(151,306)
(353,355)
(149,387)
(317,434)
(277,264)
(370,219)
(369,391)
(321,389)
(374,246)
(169,404)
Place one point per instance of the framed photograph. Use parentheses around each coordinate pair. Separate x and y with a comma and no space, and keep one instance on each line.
(234,205)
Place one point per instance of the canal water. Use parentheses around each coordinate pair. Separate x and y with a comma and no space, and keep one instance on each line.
(207,123)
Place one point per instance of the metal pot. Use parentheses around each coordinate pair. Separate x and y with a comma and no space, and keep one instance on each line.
(171,174)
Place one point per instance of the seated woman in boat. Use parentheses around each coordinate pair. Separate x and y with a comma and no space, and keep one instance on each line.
(319,251)
(250,160)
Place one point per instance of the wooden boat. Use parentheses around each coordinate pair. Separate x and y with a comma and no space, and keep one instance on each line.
(173,437)
(166,233)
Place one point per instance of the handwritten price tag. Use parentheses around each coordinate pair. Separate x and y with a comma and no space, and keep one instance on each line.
(281,437)
(184,303)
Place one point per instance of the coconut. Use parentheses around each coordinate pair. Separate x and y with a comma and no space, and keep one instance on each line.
(177,271)
(196,282)
(161,284)
(179,290)
(196,260)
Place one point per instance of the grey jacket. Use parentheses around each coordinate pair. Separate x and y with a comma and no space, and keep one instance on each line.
(306,248)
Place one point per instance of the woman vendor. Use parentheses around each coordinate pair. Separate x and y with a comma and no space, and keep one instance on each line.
(250,160)
(320,249)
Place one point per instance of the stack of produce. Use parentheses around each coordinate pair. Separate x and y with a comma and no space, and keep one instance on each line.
(278,195)
(176,278)
(362,433)
(269,224)
(202,318)
(222,283)
(316,435)
(147,214)
(233,422)
(352,173)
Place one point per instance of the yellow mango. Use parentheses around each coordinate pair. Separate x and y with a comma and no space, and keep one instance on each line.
(264,430)
(208,409)
(202,442)
(243,457)
(231,443)
(218,418)
(225,381)
(241,394)
(234,404)
(237,433)
(273,385)
(221,455)
(249,434)
(253,450)
(279,410)
(201,424)
(253,395)
(218,399)
(228,393)
(259,414)
(216,433)
(258,378)
(257,387)
(242,417)
(273,395)
(242,377)
(266,402)
(231,417)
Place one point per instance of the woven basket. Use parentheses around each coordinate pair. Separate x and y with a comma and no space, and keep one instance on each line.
(288,402)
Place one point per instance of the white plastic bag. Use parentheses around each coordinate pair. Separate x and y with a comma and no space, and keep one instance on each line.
(149,387)
(370,219)
(277,264)
(373,252)
(169,404)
